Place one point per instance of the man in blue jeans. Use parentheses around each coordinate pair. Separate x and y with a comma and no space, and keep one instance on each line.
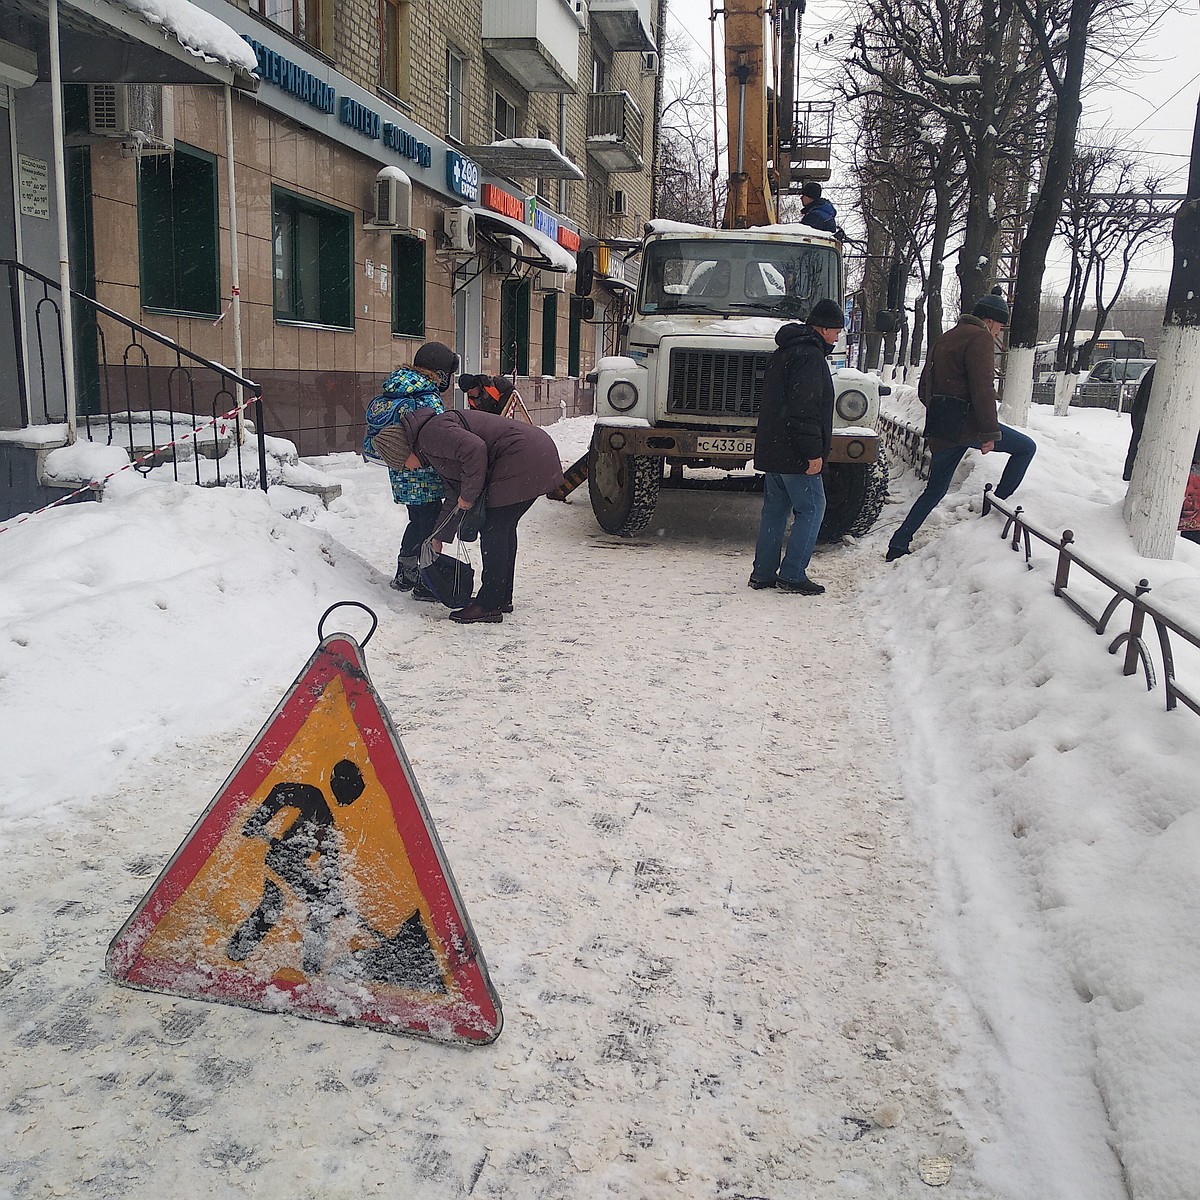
(962,363)
(795,432)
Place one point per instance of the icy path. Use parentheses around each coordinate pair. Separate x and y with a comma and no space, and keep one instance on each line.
(673,812)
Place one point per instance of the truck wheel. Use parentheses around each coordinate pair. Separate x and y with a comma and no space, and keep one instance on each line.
(623,490)
(854,497)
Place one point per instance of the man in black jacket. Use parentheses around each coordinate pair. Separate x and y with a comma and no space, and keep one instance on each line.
(795,432)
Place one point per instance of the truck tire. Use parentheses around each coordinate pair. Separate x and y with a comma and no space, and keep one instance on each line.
(854,497)
(623,490)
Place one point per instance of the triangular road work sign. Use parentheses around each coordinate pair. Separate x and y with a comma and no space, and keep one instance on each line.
(314,883)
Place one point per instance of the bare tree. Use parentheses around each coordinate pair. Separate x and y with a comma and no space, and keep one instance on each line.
(690,185)
(966,64)
(1164,458)
(1109,216)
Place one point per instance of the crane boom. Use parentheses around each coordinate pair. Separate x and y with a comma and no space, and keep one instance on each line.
(749,201)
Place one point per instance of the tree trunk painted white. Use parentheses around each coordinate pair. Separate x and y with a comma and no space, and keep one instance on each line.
(1065,383)
(1168,442)
(1018,386)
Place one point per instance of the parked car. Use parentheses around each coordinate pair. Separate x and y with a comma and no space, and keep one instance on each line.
(1111,383)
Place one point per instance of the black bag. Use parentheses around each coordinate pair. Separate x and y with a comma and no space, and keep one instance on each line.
(946,417)
(450,579)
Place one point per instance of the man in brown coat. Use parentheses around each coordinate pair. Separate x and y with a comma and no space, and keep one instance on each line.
(962,363)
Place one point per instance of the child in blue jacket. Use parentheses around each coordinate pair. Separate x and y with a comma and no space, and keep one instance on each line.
(405,391)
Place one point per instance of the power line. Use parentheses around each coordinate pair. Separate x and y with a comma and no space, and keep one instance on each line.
(1167,101)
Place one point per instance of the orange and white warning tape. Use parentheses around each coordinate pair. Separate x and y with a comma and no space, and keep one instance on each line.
(96,485)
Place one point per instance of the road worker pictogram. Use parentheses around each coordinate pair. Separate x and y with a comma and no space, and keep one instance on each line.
(314,883)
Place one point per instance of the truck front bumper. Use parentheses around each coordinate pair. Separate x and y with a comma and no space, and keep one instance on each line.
(718,449)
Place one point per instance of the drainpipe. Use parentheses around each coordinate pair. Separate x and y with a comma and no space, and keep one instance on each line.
(235,277)
(60,198)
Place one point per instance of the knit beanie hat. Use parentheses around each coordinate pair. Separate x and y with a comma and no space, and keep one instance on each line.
(812,190)
(827,315)
(392,445)
(438,360)
(991,308)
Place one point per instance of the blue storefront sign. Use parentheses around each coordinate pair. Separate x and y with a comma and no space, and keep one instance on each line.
(462,176)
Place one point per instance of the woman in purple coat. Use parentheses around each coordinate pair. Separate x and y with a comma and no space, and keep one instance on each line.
(479,456)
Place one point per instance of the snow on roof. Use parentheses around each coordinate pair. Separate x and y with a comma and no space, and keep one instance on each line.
(559,258)
(792,229)
(199,32)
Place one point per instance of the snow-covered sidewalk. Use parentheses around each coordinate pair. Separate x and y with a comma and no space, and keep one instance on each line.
(743,865)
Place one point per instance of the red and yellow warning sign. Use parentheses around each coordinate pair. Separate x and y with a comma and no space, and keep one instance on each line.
(314,883)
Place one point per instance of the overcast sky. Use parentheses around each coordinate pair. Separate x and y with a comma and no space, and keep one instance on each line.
(1154,109)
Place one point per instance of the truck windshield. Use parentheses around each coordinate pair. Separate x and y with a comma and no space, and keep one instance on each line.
(723,276)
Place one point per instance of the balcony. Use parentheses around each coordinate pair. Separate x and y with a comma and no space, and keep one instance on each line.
(624,24)
(614,131)
(535,41)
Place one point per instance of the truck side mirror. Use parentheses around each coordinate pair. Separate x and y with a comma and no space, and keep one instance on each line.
(585,271)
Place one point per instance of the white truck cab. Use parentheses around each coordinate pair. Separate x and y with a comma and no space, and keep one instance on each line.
(687,387)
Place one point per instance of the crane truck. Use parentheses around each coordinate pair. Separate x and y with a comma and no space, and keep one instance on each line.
(685,389)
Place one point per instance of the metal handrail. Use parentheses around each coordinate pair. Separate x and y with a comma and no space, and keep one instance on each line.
(1021,532)
(134,357)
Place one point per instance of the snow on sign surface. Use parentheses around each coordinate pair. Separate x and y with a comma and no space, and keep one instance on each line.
(314,883)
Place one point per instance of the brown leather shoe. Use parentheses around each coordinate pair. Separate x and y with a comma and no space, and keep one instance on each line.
(474,613)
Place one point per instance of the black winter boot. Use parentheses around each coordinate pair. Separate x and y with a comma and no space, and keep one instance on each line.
(406,574)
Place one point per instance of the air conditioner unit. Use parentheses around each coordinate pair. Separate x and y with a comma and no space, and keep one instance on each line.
(616,205)
(391,200)
(458,226)
(649,62)
(579,11)
(507,259)
(548,281)
(142,115)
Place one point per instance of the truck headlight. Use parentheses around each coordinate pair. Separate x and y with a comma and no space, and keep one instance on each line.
(623,396)
(851,405)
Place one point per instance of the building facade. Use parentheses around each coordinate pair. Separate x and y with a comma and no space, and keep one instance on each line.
(400,173)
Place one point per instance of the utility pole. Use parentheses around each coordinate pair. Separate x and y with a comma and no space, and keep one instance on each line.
(1168,440)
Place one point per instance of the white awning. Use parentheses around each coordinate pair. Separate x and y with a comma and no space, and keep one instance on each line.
(553,257)
(149,41)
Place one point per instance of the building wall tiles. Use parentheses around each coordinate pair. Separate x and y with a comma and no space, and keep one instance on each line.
(318,380)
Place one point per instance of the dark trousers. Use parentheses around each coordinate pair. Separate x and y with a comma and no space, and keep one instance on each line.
(1020,449)
(421,521)
(498,546)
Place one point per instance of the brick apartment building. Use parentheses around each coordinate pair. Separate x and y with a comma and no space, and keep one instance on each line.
(401,172)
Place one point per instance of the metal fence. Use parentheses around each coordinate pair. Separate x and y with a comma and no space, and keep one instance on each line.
(167,407)
(903,441)
(1020,532)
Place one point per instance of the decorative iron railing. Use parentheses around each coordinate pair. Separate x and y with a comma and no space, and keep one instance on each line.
(1020,532)
(135,387)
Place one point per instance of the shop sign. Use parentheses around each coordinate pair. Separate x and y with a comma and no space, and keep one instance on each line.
(294,80)
(498,200)
(298,82)
(546,223)
(568,239)
(462,176)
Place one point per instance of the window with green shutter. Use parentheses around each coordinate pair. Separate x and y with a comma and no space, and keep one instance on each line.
(574,327)
(514,326)
(178,232)
(550,333)
(314,261)
(408,286)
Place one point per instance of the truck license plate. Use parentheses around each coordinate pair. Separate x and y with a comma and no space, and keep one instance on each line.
(725,445)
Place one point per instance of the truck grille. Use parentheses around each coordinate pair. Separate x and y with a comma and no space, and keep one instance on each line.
(716,383)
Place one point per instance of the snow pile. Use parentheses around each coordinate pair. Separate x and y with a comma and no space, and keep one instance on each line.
(781,896)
